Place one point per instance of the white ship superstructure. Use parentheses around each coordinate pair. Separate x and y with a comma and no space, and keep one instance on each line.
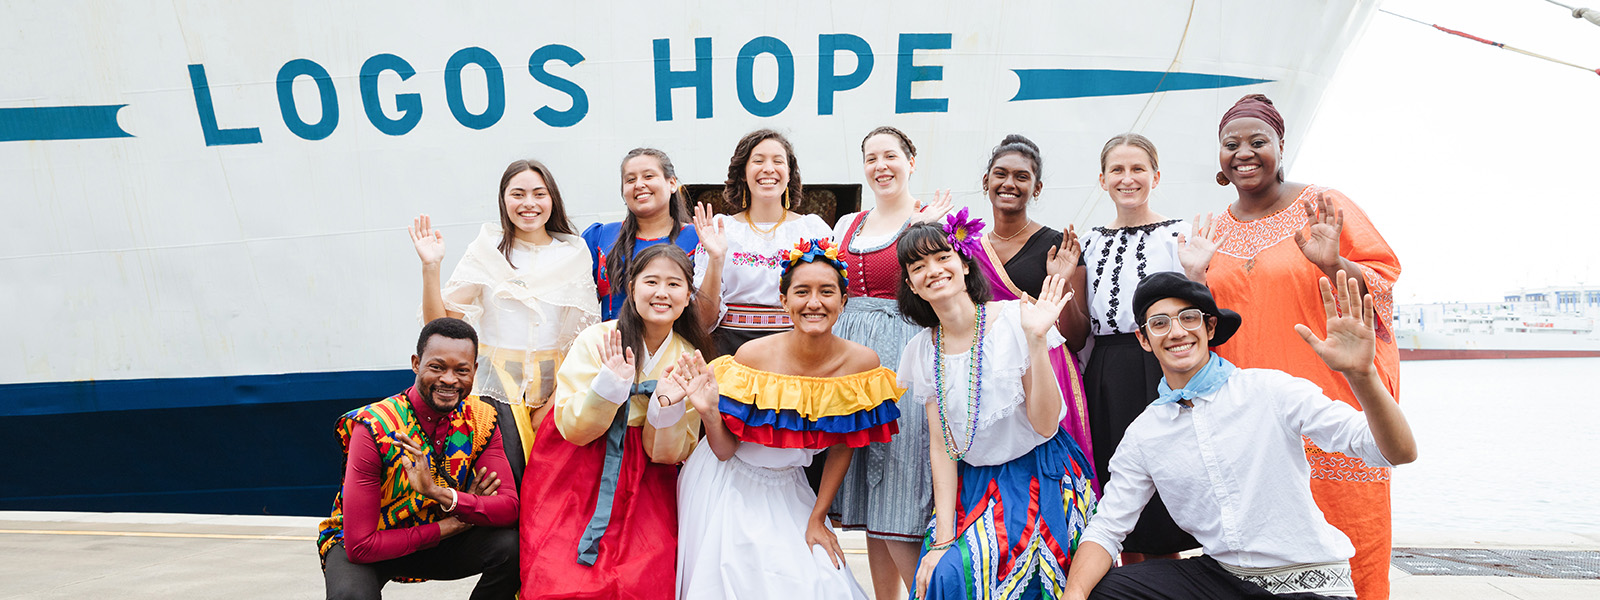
(1549,322)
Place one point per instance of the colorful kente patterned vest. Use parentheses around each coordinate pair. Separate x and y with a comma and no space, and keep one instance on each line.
(399,506)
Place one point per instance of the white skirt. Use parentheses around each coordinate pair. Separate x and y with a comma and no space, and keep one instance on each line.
(742,534)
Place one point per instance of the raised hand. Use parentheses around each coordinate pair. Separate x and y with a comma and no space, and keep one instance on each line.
(1040,316)
(1351,343)
(933,211)
(704,395)
(1319,239)
(674,384)
(713,234)
(1195,254)
(1064,260)
(486,483)
(429,242)
(615,357)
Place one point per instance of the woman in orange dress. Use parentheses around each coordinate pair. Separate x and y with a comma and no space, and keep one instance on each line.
(1271,246)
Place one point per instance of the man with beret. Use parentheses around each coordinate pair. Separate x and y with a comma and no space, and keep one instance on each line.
(1223,447)
(421,497)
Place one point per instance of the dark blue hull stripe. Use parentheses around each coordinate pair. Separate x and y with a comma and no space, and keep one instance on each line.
(1051,84)
(69,397)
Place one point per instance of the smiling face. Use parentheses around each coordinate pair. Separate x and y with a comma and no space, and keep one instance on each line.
(1250,153)
(526,201)
(1180,351)
(814,298)
(660,292)
(767,171)
(937,276)
(1128,176)
(445,371)
(887,165)
(645,187)
(1011,182)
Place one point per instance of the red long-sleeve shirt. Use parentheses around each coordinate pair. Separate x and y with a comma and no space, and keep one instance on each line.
(363,474)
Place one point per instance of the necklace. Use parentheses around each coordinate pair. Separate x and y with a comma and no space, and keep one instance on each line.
(1007,238)
(974,386)
(767,235)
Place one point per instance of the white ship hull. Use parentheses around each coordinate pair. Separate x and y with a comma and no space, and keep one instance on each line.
(211,199)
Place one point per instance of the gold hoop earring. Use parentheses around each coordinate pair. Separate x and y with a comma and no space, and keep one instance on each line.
(1222,180)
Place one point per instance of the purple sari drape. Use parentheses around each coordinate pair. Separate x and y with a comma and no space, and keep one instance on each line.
(1076,423)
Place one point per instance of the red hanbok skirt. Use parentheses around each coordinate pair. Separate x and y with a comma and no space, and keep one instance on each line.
(637,554)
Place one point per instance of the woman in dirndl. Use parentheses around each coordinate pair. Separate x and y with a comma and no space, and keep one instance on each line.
(1011,489)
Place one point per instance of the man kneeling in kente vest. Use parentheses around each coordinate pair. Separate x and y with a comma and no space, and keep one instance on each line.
(1223,447)
(422,497)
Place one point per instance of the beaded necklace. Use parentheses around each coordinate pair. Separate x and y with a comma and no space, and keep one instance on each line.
(974,386)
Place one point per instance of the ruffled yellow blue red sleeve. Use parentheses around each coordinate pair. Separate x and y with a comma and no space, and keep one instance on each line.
(789,411)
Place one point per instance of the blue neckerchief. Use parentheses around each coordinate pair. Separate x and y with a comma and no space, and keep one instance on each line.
(1209,379)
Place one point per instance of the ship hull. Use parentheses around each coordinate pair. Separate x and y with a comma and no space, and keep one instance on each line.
(214,193)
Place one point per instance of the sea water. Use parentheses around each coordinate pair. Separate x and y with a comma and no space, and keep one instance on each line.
(1503,445)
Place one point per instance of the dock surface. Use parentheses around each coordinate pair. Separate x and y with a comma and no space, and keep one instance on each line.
(140,555)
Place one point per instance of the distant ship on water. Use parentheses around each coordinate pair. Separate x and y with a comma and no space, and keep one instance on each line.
(1551,322)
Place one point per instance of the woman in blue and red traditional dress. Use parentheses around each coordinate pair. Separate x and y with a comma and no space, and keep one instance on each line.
(889,489)
(1011,489)
(601,519)
(751,526)
(657,214)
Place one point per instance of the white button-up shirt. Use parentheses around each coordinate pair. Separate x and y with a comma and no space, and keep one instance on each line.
(1233,473)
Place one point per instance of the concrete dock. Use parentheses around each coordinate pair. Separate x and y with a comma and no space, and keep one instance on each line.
(129,555)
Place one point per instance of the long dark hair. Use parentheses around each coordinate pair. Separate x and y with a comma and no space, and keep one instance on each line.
(921,240)
(677,206)
(736,191)
(631,324)
(557,223)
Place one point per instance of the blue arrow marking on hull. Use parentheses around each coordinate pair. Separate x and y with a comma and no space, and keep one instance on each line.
(1050,84)
(60,123)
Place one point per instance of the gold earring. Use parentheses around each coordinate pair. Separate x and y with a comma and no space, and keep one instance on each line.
(1222,180)
(786,198)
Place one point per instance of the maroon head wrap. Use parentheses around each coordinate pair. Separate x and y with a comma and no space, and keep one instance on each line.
(1254,105)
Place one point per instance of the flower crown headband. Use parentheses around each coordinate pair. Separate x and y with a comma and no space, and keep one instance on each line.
(814,250)
(964,234)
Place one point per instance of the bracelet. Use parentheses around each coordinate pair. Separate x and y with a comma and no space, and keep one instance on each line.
(944,546)
(453,499)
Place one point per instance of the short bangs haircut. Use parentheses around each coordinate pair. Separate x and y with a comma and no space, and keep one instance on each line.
(917,242)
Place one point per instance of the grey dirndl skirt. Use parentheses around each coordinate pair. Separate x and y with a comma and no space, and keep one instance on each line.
(889,489)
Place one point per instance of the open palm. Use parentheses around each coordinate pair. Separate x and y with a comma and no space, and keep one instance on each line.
(1063,260)
(713,234)
(1351,343)
(428,241)
(1319,239)
(1195,252)
(1039,316)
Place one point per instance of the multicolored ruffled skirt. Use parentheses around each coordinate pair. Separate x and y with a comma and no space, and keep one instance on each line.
(1017,527)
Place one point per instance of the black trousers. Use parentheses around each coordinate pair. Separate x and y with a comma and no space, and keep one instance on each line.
(1198,578)
(491,551)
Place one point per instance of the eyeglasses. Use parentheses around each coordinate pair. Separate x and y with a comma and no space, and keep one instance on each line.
(1191,319)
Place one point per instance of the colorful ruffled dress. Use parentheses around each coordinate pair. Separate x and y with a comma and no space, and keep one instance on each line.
(742,521)
(1023,498)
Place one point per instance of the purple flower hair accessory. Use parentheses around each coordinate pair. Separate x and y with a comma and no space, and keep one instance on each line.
(965,234)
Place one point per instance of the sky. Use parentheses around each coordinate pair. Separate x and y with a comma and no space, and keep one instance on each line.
(1477,164)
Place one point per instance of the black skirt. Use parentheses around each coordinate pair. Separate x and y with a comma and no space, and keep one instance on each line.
(1120,381)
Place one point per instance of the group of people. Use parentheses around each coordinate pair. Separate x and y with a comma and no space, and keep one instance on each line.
(637,411)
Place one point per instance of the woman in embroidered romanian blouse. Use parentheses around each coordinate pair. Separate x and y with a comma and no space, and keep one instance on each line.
(601,518)
(1277,239)
(521,285)
(888,490)
(763,182)
(750,526)
(1011,489)
(1120,379)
